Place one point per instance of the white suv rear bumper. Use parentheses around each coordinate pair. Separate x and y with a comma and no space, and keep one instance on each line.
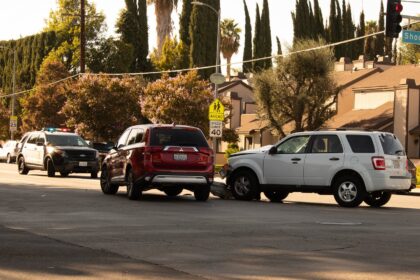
(390,183)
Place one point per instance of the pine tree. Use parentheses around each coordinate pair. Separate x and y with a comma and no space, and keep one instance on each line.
(332,24)
(203,33)
(351,28)
(257,65)
(132,25)
(302,21)
(319,21)
(279,51)
(361,32)
(380,39)
(266,36)
(184,32)
(247,67)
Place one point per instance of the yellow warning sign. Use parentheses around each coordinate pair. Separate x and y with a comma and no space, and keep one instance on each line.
(216,111)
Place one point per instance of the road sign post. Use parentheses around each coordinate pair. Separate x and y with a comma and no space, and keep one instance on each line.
(13,123)
(216,118)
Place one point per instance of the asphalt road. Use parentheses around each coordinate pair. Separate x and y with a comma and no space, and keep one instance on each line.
(65,228)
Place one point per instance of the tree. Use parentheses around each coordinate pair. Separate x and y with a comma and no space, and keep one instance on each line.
(247,67)
(257,65)
(410,53)
(369,47)
(266,35)
(171,56)
(4,122)
(203,33)
(101,107)
(110,56)
(31,52)
(361,31)
(380,38)
(163,11)
(132,26)
(229,41)
(41,108)
(279,51)
(319,21)
(162,100)
(301,18)
(184,32)
(300,90)
(66,23)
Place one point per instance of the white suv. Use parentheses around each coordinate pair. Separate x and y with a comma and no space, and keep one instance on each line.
(355,166)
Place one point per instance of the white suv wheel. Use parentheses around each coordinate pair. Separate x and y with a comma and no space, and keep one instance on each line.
(347,191)
(242,185)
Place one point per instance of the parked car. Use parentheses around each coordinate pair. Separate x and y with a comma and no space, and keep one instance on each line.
(165,157)
(7,151)
(56,151)
(354,166)
(103,149)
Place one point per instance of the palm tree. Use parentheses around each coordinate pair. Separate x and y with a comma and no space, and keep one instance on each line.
(229,41)
(369,48)
(163,11)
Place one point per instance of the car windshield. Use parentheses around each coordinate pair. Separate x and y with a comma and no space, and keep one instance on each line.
(66,140)
(103,146)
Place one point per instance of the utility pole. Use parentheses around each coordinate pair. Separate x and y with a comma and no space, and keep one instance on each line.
(82,36)
(12,132)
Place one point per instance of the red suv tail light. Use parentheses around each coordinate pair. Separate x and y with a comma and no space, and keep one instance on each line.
(208,155)
(152,154)
(378,163)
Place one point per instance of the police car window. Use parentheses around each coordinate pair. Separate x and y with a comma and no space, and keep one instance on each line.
(32,139)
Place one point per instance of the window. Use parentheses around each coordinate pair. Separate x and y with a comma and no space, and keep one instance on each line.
(32,138)
(326,144)
(295,145)
(123,138)
(136,136)
(391,145)
(178,137)
(361,144)
(40,139)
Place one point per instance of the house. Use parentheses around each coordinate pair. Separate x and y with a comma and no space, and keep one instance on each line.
(388,100)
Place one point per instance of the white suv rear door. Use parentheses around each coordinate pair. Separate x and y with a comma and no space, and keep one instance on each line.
(324,158)
(285,167)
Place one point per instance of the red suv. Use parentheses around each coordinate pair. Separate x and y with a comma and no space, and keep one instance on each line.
(165,157)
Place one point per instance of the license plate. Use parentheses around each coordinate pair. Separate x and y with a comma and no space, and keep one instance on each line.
(180,156)
(83,163)
(396,164)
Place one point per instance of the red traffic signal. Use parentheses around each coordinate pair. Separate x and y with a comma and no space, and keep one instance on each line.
(393,18)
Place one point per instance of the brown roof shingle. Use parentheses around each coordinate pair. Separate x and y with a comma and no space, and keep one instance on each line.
(376,119)
(348,78)
(391,77)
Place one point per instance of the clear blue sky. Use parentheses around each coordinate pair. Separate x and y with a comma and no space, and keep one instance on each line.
(19,18)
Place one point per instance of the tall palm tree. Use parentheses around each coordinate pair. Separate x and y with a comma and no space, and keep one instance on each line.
(163,11)
(229,41)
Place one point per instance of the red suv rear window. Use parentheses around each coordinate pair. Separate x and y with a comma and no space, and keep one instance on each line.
(165,136)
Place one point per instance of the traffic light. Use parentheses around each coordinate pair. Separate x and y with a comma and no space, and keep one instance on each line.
(393,18)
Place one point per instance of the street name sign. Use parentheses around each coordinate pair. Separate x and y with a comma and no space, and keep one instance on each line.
(216,111)
(216,129)
(13,123)
(411,37)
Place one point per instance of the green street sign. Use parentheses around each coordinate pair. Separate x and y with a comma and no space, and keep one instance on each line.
(411,37)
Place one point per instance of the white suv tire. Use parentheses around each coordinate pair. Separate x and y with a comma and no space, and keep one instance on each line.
(244,185)
(377,199)
(349,191)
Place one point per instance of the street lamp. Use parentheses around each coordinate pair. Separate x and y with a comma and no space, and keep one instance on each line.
(13,87)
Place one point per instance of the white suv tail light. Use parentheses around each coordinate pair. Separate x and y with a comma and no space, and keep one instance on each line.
(378,163)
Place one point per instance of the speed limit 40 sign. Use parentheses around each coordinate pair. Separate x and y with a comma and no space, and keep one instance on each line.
(216,129)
